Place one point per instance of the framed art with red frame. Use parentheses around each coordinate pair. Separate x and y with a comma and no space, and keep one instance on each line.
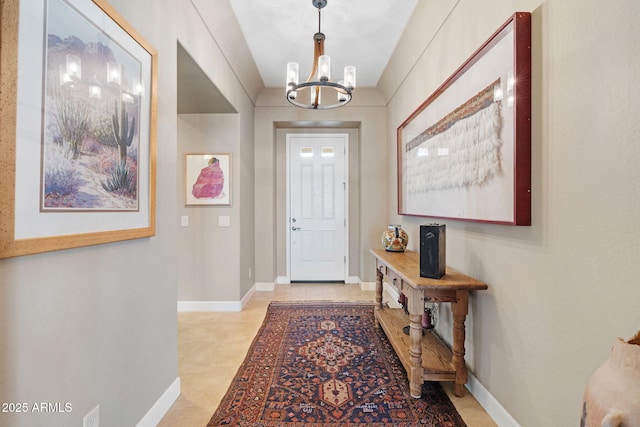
(465,152)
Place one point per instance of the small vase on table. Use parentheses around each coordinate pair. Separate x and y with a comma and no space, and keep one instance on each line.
(395,239)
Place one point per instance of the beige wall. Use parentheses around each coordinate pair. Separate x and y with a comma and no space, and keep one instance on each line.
(98,325)
(214,263)
(563,289)
(208,261)
(226,60)
(367,160)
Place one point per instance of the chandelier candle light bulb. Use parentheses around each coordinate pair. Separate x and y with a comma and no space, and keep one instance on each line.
(324,68)
(292,79)
(350,77)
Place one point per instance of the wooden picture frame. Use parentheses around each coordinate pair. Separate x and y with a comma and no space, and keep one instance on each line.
(207,179)
(465,153)
(78,97)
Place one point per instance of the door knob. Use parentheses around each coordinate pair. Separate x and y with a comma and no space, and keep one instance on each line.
(294,228)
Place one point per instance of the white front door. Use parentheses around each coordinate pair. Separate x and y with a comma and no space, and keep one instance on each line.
(317,195)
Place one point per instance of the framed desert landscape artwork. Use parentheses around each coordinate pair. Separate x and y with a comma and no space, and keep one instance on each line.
(465,153)
(79,138)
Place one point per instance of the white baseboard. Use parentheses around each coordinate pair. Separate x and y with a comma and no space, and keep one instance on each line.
(161,407)
(245,299)
(204,306)
(216,306)
(353,280)
(490,404)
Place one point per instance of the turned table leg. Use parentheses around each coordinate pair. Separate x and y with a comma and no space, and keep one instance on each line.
(459,309)
(378,302)
(416,373)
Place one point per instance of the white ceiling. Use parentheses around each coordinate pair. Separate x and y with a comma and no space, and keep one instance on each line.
(363,33)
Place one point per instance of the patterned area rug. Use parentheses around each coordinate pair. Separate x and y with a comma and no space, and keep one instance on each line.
(327,365)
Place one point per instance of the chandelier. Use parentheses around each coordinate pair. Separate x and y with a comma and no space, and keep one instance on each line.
(322,72)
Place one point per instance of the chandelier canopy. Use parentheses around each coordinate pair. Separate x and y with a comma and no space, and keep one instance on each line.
(321,71)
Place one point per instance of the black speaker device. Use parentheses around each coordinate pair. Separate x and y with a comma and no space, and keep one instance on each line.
(432,251)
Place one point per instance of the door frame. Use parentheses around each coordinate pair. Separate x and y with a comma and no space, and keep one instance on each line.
(346,196)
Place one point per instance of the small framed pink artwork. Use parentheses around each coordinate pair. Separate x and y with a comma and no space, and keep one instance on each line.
(208,179)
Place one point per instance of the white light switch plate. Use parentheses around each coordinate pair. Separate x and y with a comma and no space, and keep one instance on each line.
(224,221)
(184,221)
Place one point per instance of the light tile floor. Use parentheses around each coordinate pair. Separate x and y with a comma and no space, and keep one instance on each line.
(212,346)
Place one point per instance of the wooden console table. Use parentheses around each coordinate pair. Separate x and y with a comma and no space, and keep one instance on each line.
(425,357)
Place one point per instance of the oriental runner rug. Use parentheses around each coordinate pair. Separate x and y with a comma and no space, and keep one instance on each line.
(327,365)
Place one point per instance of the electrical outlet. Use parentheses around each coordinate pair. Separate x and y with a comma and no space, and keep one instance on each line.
(92,419)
